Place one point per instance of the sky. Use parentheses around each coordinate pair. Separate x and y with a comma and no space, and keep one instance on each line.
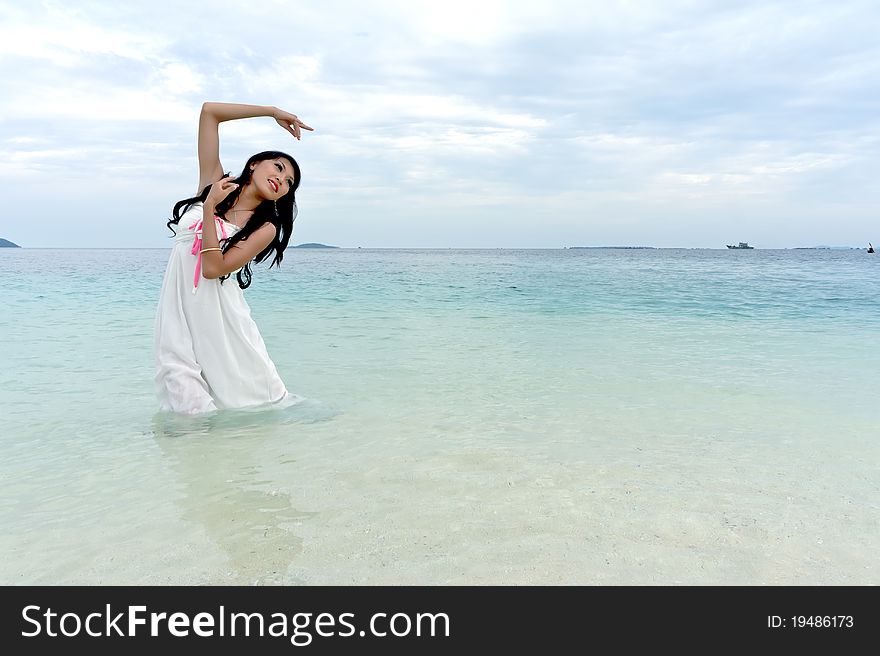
(461,124)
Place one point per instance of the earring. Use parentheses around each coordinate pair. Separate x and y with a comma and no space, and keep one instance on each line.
(276,208)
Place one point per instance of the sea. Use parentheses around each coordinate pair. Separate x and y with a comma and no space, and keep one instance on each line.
(469,417)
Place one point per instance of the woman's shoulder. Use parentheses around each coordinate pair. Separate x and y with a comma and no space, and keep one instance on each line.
(193,209)
(190,215)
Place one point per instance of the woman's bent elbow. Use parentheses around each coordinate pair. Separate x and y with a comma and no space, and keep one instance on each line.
(210,273)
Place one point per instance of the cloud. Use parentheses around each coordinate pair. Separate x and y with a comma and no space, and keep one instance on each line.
(479,115)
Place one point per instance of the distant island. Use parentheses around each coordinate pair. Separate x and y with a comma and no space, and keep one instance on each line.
(826,248)
(614,247)
(5,243)
(313,245)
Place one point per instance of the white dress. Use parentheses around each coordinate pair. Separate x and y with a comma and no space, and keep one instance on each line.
(209,352)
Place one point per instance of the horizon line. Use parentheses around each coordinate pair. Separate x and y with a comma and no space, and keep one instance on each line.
(543,248)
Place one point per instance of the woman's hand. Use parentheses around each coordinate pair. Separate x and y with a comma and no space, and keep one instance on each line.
(289,122)
(220,190)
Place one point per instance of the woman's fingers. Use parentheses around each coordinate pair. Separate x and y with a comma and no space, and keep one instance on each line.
(288,125)
(222,188)
(297,124)
(292,124)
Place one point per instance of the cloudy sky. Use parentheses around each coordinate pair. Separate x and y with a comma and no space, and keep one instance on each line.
(473,123)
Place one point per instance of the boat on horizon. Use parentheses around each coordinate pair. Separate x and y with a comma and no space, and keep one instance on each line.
(743,244)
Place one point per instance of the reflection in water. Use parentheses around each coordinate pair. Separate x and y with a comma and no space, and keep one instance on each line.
(226,491)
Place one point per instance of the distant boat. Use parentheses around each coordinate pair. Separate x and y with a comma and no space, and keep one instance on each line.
(742,244)
(870,248)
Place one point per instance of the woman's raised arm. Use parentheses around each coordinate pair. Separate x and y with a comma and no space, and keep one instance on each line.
(210,118)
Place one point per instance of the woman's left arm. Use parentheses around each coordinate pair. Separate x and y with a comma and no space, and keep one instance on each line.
(215,263)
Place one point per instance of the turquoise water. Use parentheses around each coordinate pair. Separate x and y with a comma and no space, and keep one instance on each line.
(472,417)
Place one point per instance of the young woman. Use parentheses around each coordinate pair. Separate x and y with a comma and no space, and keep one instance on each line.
(209,352)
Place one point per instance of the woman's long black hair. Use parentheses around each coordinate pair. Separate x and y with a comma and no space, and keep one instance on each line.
(282,217)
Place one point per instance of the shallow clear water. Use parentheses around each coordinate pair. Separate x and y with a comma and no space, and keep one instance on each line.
(472,416)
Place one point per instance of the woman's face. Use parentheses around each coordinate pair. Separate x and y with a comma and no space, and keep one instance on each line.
(272,178)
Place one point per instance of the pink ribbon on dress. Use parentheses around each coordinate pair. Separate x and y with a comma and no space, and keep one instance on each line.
(197,247)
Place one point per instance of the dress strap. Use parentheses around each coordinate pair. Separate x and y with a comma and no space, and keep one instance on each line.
(197,246)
